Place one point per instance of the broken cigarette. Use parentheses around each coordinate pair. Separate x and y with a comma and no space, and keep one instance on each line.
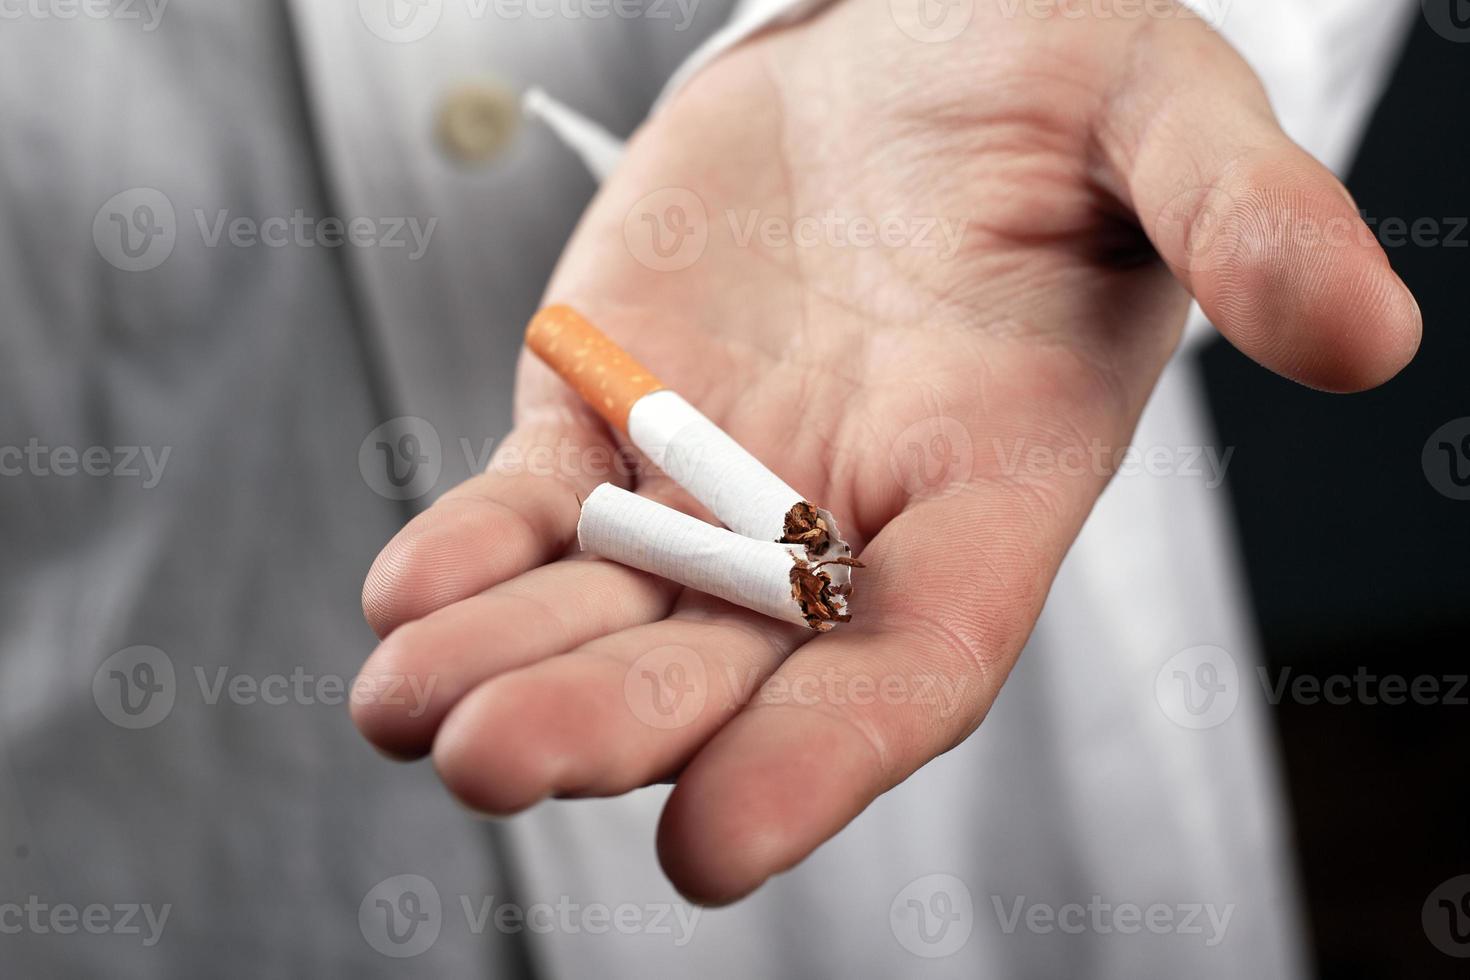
(749,499)
(770,577)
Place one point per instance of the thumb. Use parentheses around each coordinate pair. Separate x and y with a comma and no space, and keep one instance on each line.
(1266,239)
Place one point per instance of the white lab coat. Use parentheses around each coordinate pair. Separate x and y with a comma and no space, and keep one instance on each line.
(266,829)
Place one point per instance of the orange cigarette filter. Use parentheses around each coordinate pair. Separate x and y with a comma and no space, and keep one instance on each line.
(606,376)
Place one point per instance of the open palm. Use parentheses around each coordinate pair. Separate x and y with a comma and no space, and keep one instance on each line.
(931,285)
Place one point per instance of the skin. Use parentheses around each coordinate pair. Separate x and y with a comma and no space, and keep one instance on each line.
(1107,169)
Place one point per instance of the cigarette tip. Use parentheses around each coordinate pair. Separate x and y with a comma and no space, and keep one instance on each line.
(604,375)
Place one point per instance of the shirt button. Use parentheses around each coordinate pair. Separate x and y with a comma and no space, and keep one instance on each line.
(477,121)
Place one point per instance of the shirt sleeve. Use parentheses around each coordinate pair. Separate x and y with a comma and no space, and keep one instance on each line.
(1324,62)
(750,17)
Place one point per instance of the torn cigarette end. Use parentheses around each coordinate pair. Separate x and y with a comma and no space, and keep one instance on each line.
(602,373)
(821,602)
(767,576)
(806,526)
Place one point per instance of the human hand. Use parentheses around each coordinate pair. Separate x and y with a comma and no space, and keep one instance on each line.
(1102,171)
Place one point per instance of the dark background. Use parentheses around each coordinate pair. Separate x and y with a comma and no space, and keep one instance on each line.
(1357,563)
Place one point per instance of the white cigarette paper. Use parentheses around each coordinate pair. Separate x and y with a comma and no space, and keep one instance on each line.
(715,469)
(719,473)
(759,575)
